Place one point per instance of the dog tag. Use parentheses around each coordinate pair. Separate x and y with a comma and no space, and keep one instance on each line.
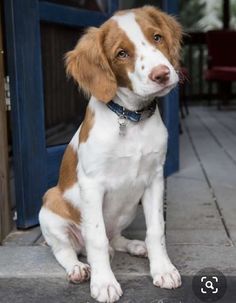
(122,125)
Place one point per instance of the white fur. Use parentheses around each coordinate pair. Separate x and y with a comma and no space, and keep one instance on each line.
(116,172)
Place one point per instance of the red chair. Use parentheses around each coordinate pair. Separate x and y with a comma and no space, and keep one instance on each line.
(221,61)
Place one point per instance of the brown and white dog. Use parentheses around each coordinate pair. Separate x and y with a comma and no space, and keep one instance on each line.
(113,162)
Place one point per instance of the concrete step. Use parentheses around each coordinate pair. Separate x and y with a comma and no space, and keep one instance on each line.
(31,274)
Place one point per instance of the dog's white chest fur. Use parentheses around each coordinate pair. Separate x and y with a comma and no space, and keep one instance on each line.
(125,166)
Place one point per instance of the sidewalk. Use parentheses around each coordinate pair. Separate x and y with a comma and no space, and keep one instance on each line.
(201,228)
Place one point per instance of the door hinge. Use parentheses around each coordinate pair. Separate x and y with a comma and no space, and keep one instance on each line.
(7,93)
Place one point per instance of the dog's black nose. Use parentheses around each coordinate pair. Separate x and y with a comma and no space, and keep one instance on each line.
(160,74)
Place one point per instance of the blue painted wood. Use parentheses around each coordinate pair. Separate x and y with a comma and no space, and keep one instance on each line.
(171,110)
(113,6)
(70,16)
(27,114)
(171,119)
(171,6)
(54,157)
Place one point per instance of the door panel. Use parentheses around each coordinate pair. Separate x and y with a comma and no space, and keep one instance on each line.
(27,114)
(71,16)
(64,103)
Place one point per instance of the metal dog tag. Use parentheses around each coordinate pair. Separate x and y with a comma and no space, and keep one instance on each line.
(122,125)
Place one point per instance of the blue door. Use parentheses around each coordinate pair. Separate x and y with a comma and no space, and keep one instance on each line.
(36,163)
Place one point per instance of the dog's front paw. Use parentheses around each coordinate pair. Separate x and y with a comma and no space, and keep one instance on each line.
(167,278)
(79,273)
(105,289)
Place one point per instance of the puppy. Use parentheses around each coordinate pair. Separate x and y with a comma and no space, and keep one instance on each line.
(116,157)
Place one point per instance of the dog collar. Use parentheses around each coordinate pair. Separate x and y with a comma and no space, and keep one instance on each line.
(134,116)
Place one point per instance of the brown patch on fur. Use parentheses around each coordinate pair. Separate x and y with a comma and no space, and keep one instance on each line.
(86,125)
(68,174)
(89,66)
(53,200)
(142,66)
(115,39)
(153,21)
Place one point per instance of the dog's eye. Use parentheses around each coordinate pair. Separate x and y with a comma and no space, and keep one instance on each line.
(157,38)
(122,54)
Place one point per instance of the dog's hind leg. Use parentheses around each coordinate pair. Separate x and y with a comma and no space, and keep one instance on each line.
(133,247)
(66,242)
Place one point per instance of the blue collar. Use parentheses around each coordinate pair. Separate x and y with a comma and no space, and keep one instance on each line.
(134,116)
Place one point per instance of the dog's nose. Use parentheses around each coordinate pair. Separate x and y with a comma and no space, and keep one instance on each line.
(160,74)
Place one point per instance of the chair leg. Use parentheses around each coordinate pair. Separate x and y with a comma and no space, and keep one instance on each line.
(227,92)
(209,93)
(224,89)
(220,95)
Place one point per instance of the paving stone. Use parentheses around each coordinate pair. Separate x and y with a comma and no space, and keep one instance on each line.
(38,262)
(23,237)
(189,165)
(218,166)
(197,237)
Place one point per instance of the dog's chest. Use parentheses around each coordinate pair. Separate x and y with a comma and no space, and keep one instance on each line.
(132,160)
(126,165)
(118,159)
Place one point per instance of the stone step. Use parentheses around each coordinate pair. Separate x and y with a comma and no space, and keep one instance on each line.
(37,261)
(31,274)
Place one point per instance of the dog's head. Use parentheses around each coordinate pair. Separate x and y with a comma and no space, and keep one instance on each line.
(137,49)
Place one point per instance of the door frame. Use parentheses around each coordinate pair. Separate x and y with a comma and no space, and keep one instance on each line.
(171,109)
(5,205)
(35,165)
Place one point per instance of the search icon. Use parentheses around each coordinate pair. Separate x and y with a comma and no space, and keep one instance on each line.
(209,284)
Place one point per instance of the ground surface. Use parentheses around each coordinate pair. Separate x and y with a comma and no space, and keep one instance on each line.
(201,228)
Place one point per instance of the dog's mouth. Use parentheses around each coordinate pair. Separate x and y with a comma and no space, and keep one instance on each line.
(165,90)
(160,92)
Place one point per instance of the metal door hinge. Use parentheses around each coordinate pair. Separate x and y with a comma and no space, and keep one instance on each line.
(7,93)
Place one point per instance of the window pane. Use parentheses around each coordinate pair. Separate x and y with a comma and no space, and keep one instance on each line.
(64,104)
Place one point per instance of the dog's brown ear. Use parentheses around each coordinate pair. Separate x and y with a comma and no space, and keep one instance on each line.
(88,65)
(172,30)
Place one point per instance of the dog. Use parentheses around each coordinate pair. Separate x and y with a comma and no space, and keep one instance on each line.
(116,158)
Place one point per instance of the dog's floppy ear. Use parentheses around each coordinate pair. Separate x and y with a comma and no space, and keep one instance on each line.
(88,65)
(172,30)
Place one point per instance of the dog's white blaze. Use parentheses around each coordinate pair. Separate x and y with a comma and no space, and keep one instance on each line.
(152,57)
